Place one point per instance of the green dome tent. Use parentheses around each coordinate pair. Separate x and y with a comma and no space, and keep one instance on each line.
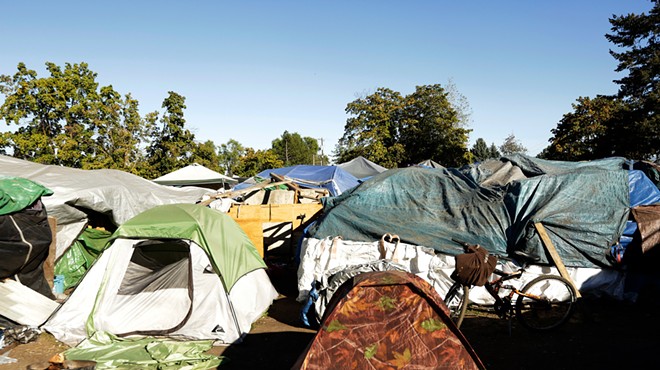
(180,271)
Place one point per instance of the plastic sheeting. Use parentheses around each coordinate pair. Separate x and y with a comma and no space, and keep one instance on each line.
(25,238)
(361,168)
(79,193)
(582,205)
(81,256)
(144,353)
(17,193)
(423,206)
(332,178)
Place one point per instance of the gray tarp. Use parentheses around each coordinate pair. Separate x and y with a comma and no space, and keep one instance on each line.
(78,193)
(583,206)
(361,167)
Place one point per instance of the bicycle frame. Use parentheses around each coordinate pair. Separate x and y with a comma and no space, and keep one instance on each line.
(503,303)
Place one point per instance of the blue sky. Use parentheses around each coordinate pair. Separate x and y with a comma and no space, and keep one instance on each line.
(252,69)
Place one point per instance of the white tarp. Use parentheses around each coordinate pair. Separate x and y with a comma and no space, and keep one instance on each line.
(194,174)
(319,258)
(23,305)
(116,194)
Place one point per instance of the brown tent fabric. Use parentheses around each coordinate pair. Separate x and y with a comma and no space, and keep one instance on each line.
(648,222)
(388,320)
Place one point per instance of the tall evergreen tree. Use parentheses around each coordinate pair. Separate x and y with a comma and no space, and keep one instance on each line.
(173,146)
(480,150)
(637,38)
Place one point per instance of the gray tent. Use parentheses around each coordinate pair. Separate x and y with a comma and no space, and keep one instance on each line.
(361,167)
(430,163)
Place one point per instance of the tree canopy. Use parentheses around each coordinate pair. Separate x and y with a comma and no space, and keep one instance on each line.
(481,151)
(293,149)
(625,124)
(394,130)
(255,161)
(511,145)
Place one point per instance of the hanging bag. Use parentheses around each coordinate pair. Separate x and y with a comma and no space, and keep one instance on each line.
(474,266)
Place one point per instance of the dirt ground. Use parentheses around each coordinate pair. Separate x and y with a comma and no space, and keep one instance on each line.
(603,334)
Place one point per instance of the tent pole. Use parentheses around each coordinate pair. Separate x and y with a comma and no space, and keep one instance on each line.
(231,308)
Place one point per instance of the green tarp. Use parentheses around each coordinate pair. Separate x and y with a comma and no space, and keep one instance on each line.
(16,193)
(81,255)
(110,352)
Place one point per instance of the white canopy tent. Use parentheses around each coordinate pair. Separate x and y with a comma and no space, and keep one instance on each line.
(195,175)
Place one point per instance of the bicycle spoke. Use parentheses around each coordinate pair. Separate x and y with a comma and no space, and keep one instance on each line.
(545,303)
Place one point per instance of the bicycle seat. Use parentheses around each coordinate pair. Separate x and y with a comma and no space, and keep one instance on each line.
(527,256)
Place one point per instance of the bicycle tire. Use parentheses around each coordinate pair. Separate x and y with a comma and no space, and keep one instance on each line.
(457,302)
(557,303)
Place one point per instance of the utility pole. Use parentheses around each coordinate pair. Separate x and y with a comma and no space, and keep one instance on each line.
(321,140)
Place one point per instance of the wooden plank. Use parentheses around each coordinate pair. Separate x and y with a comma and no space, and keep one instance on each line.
(49,263)
(235,193)
(289,184)
(555,256)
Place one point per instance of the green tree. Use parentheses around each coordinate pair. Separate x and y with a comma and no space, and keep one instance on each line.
(373,129)
(229,156)
(120,133)
(66,119)
(392,130)
(206,154)
(293,149)
(637,131)
(494,152)
(511,145)
(480,150)
(431,128)
(254,162)
(582,134)
(54,114)
(173,146)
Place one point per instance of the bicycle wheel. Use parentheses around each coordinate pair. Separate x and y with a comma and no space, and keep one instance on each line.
(457,302)
(546,302)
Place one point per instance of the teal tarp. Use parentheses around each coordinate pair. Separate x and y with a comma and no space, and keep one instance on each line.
(583,206)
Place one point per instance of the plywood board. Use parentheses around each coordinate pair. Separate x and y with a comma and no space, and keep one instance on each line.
(252,218)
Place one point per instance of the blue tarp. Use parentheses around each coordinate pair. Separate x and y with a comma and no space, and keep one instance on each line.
(642,192)
(583,206)
(331,178)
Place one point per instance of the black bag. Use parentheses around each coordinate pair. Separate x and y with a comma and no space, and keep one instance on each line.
(474,267)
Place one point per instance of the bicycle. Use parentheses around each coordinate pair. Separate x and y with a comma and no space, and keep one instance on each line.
(544,303)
